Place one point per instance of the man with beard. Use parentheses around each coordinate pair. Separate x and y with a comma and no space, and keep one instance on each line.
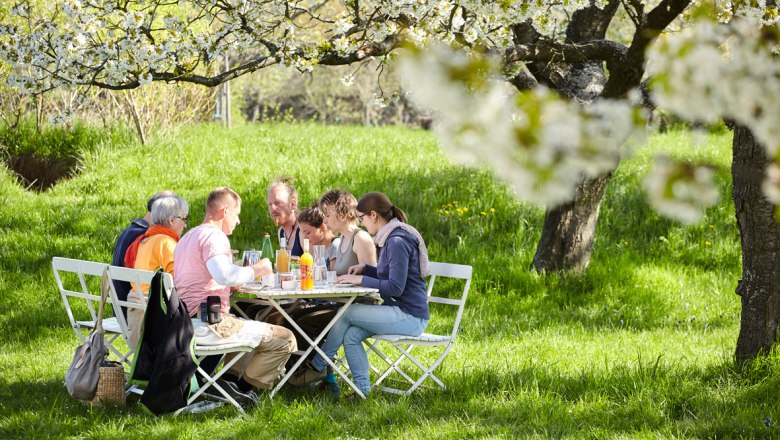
(283,208)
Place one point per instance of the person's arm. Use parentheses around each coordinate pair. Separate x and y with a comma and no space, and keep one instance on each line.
(226,273)
(398,252)
(167,256)
(364,248)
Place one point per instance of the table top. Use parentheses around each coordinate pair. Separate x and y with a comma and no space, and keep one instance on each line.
(260,291)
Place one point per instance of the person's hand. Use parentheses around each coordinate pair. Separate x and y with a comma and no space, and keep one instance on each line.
(356,269)
(262,267)
(350,279)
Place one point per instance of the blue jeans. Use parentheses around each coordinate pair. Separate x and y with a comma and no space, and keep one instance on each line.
(362,321)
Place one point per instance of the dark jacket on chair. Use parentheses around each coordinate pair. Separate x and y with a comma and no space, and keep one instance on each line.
(165,353)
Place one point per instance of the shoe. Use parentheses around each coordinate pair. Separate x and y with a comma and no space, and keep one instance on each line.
(354,398)
(306,375)
(332,389)
(231,388)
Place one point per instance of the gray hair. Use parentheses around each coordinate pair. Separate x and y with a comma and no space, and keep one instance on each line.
(168,207)
(152,199)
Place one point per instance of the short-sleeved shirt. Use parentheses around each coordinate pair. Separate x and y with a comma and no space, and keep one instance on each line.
(191,276)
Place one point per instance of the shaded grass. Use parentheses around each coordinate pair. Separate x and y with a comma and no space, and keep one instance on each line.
(640,346)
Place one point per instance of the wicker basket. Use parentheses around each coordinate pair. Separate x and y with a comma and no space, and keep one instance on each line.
(111,385)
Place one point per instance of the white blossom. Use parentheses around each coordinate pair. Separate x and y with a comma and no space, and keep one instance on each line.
(541,143)
(347,80)
(145,78)
(681,191)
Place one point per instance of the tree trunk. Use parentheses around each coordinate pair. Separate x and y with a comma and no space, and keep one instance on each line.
(760,236)
(567,237)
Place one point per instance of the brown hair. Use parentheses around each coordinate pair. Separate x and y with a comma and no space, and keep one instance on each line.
(342,202)
(311,216)
(379,203)
(217,195)
(288,184)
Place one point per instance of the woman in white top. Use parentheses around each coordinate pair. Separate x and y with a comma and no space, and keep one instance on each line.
(356,246)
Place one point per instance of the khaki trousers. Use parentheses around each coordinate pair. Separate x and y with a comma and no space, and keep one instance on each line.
(266,363)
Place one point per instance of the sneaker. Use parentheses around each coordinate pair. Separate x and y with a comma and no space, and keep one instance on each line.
(306,375)
(231,388)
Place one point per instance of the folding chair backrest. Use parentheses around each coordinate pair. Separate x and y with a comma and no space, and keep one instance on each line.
(448,270)
(66,271)
(136,278)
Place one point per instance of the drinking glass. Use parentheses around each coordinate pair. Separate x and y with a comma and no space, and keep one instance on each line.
(250,257)
(331,275)
(319,276)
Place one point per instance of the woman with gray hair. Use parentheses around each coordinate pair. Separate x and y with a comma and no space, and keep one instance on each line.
(154,249)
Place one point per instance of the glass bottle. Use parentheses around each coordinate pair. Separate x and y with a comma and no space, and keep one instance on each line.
(283,257)
(307,267)
(267,251)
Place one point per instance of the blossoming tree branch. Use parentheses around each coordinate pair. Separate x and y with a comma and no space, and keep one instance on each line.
(549,93)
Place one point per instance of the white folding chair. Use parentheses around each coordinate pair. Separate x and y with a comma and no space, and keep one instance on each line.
(74,278)
(239,349)
(405,344)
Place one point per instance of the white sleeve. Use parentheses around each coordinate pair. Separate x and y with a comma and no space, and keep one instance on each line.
(226,273)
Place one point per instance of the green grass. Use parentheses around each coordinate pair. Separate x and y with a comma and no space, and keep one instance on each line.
(638,347)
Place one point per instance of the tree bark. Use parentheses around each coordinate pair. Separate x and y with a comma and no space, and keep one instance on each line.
(567,237)
(760,237)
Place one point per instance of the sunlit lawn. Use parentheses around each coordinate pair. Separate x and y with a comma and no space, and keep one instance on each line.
(638,347)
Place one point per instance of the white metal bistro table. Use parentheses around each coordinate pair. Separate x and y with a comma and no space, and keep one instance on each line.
(345,295)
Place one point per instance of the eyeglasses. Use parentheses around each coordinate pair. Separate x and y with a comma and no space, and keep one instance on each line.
(360,217)
(184,219)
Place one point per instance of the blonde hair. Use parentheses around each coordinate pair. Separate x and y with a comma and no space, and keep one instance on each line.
(218,195)
(342,202)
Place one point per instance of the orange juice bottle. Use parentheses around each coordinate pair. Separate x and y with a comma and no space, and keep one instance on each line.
(283,257)
(307,267)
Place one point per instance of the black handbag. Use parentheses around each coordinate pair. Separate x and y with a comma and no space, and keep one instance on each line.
(82,376)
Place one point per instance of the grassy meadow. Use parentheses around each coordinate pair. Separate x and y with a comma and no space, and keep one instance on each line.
(638,347)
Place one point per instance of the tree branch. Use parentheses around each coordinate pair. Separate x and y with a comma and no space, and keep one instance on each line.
(384,47)
(546,51)
(628,74)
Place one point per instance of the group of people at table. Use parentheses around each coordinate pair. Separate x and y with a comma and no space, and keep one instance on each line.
(394,261)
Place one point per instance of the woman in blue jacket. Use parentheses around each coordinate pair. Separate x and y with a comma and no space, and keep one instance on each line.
(399,276)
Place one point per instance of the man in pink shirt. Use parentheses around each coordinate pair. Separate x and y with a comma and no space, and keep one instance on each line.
(203,267)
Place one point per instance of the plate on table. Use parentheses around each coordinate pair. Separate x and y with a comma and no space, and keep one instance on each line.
(345,285)
(255,286)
